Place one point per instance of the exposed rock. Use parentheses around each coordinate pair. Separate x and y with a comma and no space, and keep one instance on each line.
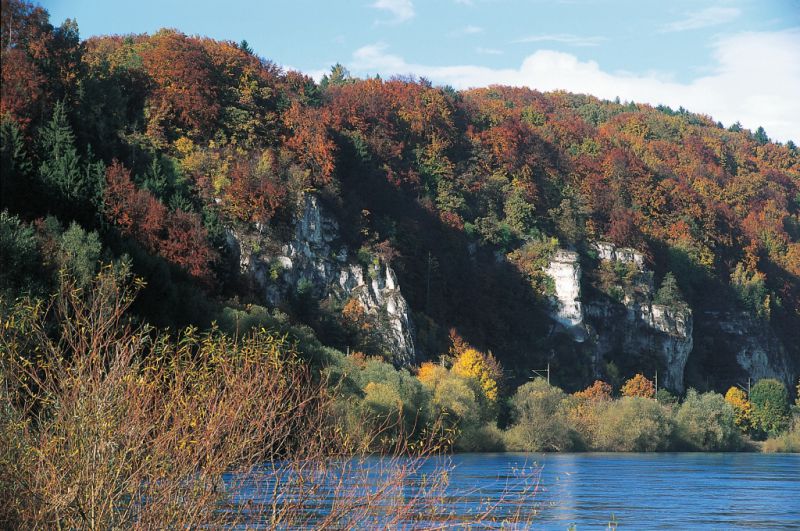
(634,326)
(565,270)
(607,251)
(314,258)
(751,344)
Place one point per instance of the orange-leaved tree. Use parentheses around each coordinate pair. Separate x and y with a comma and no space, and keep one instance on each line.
(639,385)
(599,391)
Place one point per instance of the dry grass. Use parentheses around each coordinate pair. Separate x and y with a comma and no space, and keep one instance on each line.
(108,425)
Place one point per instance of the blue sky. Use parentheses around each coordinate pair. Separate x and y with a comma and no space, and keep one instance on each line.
(732,59)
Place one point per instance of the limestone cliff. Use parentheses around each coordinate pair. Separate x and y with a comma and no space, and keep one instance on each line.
(565,270)
(634,325)
(314,258)
(746,347)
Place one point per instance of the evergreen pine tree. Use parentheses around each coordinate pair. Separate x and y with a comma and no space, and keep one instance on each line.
(60,170)
(761,136)
(669,294)
(15,168)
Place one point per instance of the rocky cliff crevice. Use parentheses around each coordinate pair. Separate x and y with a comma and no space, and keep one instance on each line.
(315,259)
(633,325)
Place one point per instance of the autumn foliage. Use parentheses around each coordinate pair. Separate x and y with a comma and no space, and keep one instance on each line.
(468,192)
(177,236)
(742,406)
(639,386)
(482,367)
(599,391)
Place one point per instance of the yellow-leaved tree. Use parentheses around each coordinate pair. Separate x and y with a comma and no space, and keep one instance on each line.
(742,407)
(484,368)
(430,374)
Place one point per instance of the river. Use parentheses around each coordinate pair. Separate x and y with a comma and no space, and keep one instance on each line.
(652,491)
(599,490)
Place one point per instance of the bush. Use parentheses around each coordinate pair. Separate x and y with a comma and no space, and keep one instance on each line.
(707,423)
(112,426)
(540,418)
(664,397)
(770,406)
(79,253)
(633,424)
(457,401)
(669,294)
(378,405)
(788,443)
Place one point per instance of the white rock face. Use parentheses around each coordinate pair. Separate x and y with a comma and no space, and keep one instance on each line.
(676,324)
(635,326)
(758,352)
(312,257)
(608,251)
(565,270)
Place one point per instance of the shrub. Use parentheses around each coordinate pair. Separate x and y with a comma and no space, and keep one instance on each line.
(663,396)
(19,256)
(669,294)
(633,424)
(540,419)
(113,426)
(770,406)
(707,423)
(598,391)
(79,253)
(788,442)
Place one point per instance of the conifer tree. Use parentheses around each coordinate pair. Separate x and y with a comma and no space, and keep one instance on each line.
(15,167)
(60,168)
(669,294)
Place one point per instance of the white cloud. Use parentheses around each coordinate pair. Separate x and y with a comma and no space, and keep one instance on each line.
(401,10)
(711,16)
(563,38)
(755,81)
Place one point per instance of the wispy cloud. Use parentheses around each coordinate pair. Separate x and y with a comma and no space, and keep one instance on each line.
(710,16)
(467,30)
(563,38)
(401,10)
(755,81)
(488,51)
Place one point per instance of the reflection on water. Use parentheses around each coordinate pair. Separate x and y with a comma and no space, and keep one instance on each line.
(636,491)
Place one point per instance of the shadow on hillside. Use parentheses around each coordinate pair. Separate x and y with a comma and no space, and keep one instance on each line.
(450,283)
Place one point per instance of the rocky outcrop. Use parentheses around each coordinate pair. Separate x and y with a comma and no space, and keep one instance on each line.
(315,259)
(608,251)
(749,345)
(565,270)
(633,326)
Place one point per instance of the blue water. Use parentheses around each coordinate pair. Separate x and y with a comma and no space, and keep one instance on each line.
(595,490)
(652,491)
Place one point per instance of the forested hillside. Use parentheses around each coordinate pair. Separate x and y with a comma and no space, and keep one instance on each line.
(178,155)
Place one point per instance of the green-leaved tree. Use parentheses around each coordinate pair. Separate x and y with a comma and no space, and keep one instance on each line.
(770,406)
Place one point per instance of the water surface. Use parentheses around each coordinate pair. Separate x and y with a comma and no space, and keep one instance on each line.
(653,491)
(588,490)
